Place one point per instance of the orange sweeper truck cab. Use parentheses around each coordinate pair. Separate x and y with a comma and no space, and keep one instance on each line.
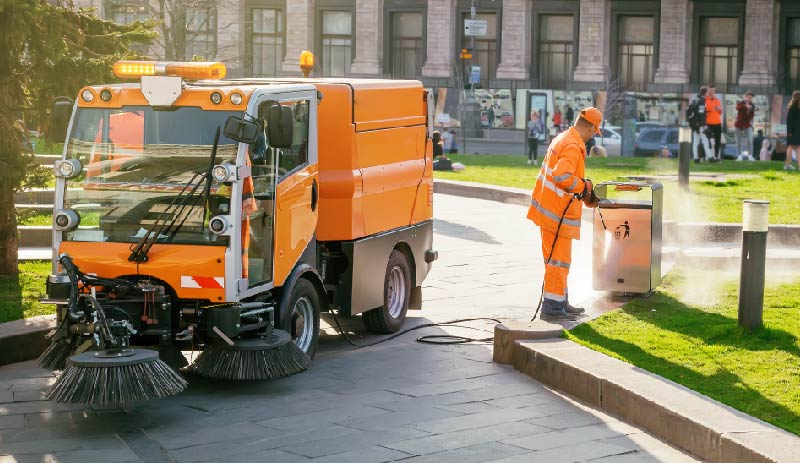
(193,213)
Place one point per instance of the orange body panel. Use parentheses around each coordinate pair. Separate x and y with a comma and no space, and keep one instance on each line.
(294,220)
(374,159)
(167,262)
(191,96)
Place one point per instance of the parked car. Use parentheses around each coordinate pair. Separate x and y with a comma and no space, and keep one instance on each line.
(639,126)
(651,142)
(611,140)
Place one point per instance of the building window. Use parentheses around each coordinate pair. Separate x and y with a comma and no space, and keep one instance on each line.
(337,43)
(407,49)
(719,51)
(636,44)
(793,53)
(556,48)
(201,33)
(126,12)
(485,52)
(267,42)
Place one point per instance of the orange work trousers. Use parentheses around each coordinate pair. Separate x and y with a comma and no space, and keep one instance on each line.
(557,270)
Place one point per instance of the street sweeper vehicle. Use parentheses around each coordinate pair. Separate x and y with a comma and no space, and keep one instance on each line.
(194,213)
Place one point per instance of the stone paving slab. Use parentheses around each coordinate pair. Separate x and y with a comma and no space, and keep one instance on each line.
(400,400)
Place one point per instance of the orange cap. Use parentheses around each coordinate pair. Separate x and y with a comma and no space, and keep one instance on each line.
(592,116)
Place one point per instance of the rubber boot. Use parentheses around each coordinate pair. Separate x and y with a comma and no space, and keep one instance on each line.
(554,311)
(569,308)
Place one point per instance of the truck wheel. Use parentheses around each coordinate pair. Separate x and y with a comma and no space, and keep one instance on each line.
(396,297)
(301,319)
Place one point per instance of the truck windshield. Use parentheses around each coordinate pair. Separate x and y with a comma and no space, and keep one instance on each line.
(140,168)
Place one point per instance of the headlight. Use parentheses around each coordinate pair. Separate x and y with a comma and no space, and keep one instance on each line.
(216,97)
(224,173)
(236,98)
(66,219)
(68,169)
(218,225)
(105,95)
(87,95)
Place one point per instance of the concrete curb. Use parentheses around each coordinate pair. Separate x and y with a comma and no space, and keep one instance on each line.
(22,340)
(35,236)
(685,233)
(680,416)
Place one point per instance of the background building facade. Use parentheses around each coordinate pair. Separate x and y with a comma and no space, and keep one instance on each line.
(605,47)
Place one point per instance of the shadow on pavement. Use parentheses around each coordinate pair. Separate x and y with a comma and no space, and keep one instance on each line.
(464,232)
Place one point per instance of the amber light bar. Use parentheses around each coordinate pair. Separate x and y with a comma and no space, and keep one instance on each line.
(187,70)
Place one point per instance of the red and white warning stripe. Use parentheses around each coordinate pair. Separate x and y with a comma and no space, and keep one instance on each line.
(198,282)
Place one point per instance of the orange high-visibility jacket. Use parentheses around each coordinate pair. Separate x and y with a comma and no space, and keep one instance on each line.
(561,176)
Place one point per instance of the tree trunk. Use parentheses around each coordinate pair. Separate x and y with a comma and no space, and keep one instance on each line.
(8,232)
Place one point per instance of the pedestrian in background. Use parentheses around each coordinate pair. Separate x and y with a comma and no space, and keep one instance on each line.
(758,140)
(696,117)
(556,208)
(570,116)
(438,149)
(453,143)
(490,116)
(446,142)
(557,120)
(745,111)
(714,120)
(535,130)
(792,130)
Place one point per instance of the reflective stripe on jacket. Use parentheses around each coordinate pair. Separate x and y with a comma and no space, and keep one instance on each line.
(560,177)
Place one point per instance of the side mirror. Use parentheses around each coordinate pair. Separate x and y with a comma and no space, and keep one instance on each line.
(62,111)
(280,126)
(241,130)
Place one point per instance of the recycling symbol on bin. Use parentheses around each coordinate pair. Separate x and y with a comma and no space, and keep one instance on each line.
(622,231)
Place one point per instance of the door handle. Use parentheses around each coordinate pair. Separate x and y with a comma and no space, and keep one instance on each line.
(314,196)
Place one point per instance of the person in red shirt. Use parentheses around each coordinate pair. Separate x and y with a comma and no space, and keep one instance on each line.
(714,120)
(745,110)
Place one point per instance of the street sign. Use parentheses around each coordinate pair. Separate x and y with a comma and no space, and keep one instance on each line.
(475,27)
(475,75)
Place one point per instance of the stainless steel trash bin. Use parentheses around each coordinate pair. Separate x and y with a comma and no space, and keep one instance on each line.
(626,251)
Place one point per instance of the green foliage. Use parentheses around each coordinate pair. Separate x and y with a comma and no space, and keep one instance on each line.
(688,332)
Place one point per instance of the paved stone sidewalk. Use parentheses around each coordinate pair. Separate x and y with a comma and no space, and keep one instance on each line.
(399,400)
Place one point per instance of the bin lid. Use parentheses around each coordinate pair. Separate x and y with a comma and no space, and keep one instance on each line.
(626,204)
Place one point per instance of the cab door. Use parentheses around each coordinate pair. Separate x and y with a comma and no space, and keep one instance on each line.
(297,190)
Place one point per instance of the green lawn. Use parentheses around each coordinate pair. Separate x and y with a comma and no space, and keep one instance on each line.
(40,218)
(19,295)
(687,331)
(710,200)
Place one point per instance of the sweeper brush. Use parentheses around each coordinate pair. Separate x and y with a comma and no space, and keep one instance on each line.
(271,356)
(55,356)
(108,378)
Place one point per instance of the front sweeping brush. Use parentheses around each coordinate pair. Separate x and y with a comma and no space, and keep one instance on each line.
(55,356)
(109,378)
(269,357)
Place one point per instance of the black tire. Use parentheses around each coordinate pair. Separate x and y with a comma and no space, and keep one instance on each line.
(303,299)
(396,297)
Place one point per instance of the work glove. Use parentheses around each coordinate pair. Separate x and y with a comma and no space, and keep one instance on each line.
(588,196)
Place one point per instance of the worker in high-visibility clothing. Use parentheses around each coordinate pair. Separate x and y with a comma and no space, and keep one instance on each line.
(556,209)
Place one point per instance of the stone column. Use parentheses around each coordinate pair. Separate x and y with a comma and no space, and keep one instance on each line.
(369,38)
(593,42)
(760,47)
(230,35)
(515,47)
(440,50)
(673,45)
(299,34)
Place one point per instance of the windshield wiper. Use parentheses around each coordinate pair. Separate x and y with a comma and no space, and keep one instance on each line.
(206,192)
(176,208)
